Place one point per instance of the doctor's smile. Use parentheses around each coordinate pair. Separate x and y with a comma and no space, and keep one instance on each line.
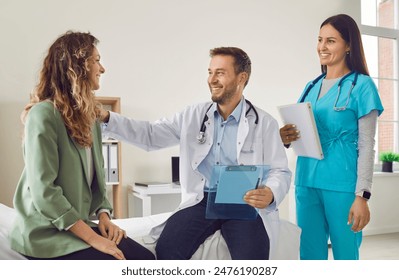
(216,88)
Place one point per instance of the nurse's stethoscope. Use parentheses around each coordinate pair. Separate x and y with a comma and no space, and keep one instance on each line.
(343,108)
(201,136)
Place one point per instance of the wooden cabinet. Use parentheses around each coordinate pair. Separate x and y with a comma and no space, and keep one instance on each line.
(113,104)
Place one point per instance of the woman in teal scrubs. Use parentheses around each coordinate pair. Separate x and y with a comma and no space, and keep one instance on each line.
(332,193)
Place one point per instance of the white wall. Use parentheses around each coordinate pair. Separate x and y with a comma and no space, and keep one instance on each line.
(156,56)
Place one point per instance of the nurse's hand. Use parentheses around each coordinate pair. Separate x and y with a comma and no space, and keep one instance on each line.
(359,214)
(289,133)
(259,198)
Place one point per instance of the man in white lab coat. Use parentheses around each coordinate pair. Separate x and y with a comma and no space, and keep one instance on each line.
(227,131)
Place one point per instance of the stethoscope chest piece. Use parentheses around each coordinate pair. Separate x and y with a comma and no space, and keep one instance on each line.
(201,137)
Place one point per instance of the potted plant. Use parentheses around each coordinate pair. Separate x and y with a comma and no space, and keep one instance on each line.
(387,159)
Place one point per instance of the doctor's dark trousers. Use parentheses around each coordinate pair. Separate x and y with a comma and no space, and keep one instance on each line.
(188,228)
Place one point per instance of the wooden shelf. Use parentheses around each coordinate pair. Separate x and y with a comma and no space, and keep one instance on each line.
(114,104)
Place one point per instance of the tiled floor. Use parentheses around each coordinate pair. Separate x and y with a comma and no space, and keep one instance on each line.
(379,247)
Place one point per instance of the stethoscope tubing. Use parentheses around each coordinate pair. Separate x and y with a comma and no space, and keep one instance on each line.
(201,135)
(312,84)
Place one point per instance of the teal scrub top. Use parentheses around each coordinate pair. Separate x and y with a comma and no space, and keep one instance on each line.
(338,132)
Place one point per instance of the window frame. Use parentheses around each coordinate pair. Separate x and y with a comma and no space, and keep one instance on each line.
(388,33)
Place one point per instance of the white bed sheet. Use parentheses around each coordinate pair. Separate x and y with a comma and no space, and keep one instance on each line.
(7,216)
(214,248)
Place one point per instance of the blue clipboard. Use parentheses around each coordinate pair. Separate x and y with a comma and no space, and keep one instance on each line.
(227,189)
(235,181)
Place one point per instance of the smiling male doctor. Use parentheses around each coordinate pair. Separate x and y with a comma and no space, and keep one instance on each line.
(235,133)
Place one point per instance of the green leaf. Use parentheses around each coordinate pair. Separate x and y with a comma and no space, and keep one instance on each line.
(388,156)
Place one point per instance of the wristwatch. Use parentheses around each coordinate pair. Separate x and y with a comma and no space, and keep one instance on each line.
(365,194)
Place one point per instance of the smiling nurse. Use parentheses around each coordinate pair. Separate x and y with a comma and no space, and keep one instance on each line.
(332,193)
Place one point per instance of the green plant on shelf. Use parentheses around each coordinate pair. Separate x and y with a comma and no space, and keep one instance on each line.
(388,156)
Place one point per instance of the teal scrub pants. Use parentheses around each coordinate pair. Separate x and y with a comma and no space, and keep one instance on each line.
(323,215)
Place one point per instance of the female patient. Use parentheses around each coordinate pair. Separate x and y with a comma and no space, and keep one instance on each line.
(63,182)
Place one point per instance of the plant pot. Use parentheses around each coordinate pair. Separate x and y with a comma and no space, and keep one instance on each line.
(387,166)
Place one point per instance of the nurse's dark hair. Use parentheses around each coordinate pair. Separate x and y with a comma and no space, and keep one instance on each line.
(347,27)
(242,63)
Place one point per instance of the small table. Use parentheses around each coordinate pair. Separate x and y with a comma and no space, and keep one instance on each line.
(145,195)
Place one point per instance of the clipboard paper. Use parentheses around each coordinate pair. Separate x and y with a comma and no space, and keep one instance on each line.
(227,189)
(301,114)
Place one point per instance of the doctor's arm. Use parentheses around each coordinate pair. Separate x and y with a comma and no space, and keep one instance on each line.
(146,135)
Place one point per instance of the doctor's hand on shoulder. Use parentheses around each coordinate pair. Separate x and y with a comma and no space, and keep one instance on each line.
(289,133)
(103,115)
(260,197)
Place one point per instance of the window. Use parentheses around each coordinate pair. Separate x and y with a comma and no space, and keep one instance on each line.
(380,35)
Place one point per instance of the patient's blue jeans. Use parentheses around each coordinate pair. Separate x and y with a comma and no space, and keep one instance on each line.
(187,229)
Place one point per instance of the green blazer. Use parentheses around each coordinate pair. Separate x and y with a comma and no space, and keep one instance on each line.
(53,191)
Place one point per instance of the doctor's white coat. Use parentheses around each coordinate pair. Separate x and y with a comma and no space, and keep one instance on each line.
(257,144)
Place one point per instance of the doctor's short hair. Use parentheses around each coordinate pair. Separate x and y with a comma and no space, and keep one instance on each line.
(242,61)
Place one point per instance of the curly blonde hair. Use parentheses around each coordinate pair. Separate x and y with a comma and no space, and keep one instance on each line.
(64,81)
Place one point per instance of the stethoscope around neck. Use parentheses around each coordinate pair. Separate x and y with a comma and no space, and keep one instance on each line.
(343,108)
(201,138)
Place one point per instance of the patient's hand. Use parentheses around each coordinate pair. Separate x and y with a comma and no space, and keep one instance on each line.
(109,230)
(106,246)
(87,234)
(259,198)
